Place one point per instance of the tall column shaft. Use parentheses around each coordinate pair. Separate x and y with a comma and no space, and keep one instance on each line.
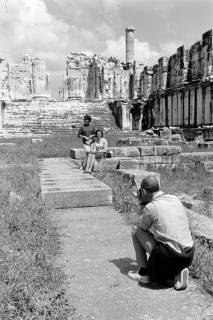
(130,44)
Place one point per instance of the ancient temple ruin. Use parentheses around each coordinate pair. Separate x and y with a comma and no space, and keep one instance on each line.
(98,78)
(95,78)
(177,91)
(24,81)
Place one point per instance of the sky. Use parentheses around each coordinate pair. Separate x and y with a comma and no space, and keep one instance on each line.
(51,29)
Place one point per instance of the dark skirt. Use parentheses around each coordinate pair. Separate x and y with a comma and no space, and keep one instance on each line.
(164,263)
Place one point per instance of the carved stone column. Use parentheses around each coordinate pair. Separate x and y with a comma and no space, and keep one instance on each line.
(130,45)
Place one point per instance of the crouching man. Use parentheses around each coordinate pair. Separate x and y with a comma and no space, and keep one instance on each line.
(162,240)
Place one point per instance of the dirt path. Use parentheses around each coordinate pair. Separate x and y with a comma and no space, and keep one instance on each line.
(97,253)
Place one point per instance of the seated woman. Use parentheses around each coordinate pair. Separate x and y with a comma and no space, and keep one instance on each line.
(98,150)
(101,144)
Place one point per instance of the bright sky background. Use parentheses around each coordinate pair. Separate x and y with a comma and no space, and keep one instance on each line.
(51,29)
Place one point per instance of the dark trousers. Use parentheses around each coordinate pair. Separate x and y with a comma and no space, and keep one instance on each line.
(164,263)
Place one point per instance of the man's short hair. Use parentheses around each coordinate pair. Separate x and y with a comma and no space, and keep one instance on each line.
(150,183)
(87,117)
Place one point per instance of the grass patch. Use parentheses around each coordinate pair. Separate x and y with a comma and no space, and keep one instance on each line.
(30,286)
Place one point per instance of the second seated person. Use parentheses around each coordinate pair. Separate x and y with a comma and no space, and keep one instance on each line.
(98,150)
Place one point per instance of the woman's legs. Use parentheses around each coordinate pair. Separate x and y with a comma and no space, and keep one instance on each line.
(90,162)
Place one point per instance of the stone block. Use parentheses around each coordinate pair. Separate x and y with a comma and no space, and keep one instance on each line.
(196,156)
(160,150)
(158,159)
(167,159)
(208,166)
(159,165)
(172,150)
(208,134)
(144,160)
(166,134)
(77,153)
(118,151)
(150,166)
(176,137)
(128,163)
(191,203)
(205,145)
(176,158)
(142,166)
(147,150)
(37,140)
(200,225)
(155,159)
(110,164)
(136,176)
(132,152)
(207,192)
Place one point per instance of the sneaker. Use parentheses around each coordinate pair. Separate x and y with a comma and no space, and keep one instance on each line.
(181,280)
(137,277)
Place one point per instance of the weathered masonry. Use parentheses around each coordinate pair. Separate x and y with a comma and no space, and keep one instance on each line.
(100,78)
(178,91)
(24,81)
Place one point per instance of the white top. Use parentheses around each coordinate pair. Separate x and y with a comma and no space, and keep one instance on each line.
(102,145)
(165,217)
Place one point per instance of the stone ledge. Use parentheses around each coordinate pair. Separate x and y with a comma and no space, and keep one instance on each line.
(136,176)
(115,163)
(205,145)
(200,225)
(134,152)
(77,153)
(159,150)
(124,151)
(196,156)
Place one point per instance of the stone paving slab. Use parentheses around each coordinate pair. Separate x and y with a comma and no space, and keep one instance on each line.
(97,253)
(63,185)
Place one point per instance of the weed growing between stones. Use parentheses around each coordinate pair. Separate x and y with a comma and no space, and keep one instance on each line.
(178,181)
(30,286)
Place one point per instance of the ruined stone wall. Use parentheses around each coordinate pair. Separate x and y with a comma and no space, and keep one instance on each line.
(4,80)
(23,81)
(95,78)
(40,80)
(145,83)
(181,87)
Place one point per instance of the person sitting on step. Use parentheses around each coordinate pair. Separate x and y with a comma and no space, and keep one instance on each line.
(163,234)
(98,150)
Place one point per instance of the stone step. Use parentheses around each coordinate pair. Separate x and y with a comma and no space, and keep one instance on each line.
(63,185)
(208,166)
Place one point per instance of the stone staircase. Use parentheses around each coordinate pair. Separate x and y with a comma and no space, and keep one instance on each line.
(55,117)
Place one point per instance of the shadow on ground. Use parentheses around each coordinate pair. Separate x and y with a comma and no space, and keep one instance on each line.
(127,264)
